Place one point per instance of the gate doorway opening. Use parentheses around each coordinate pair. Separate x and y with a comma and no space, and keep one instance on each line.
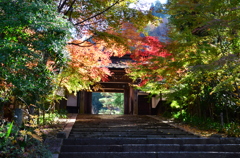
(107,103)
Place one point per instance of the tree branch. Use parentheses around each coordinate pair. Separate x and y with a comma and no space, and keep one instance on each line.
(61,5)
(108,8)
(78,44)
(70,9)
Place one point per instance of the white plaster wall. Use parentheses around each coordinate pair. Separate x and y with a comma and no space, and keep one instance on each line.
(72,100)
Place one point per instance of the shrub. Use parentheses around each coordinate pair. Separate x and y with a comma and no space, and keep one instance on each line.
(19,143)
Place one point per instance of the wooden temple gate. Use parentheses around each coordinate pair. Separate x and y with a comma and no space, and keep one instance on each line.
(135,102)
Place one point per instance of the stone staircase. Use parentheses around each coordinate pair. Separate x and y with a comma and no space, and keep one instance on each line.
(128,136)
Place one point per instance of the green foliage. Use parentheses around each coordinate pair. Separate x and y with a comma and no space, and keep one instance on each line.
(96,104)
(230,129)
(21,143)
(51,117)
(201,78)
(9,130)
(201,123)
(32,35)
(196,97)
(118,99)
(204,41)
(110,103)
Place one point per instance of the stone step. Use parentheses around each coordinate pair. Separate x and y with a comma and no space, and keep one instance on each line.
(108,125)
(140,137)
(106,128)
(149,155)
(187,135)
(120,141)
(152,148)
(129,132)
(100,129)
(135,136)
(119,124)
(92,148)
(183,147)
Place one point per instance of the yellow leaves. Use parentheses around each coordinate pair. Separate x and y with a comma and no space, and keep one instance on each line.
(14,141)
(36,137)
(11,138)
(31,124)
(29,133)
(97,87)
(23,132)
(33,117)
(33,105)
(35,134)
(38,132)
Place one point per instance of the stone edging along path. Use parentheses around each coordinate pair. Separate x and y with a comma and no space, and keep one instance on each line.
(56,143)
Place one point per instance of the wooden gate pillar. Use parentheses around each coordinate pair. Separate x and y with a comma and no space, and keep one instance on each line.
(135,102)
(81,102)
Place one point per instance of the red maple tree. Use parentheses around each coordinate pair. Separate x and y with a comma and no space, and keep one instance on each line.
(148,60)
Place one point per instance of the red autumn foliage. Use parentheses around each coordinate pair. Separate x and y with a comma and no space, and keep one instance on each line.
(148,60)
(152,47)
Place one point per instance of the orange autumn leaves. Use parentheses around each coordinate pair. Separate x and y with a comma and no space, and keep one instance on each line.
(89,61)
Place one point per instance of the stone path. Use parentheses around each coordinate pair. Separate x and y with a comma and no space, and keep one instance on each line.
(124,126)
(120,136)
